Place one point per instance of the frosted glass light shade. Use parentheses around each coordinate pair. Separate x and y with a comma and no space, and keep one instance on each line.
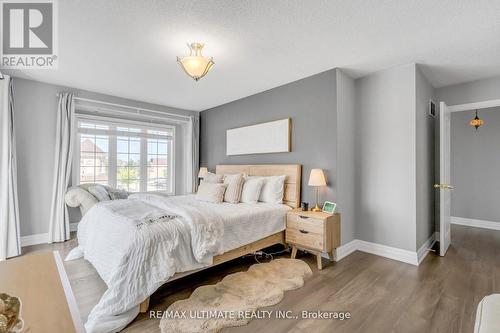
(317,178)
(196,65)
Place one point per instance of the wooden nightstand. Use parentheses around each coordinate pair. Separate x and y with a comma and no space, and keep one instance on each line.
(315,232)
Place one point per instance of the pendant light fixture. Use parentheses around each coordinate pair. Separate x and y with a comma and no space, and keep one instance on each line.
(476,122)
(195,64)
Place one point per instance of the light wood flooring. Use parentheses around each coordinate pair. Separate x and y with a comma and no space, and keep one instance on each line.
(382,295)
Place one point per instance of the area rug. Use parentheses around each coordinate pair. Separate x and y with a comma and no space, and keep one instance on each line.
(235,300)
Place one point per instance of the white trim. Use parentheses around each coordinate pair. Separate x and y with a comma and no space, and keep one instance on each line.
(344,250)
(472,106)
(409,257)
(68,292)
(475,223)
(34,239)
(424,250)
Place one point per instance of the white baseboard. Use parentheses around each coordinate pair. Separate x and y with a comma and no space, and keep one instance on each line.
(42,238)
(409,257)
(344,250)
(34,239)
(423,251)
(475,223)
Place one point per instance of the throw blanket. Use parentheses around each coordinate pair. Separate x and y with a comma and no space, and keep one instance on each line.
(136,245)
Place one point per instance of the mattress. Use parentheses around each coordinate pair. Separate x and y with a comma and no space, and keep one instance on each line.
(247,223)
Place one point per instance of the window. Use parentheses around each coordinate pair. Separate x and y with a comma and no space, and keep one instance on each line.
(129,156)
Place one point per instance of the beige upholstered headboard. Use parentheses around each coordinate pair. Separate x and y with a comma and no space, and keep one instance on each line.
(292,172)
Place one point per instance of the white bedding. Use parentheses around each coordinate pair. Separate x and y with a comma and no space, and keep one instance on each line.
(135,260)
(247,223)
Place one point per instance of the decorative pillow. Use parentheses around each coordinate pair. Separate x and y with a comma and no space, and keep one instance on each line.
(99,192)
(211,192)
(213,178)
(117,194)
(234,186)
(273,189)
(251,189)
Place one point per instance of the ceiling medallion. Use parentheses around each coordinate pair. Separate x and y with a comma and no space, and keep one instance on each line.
(476,122)
(195,64)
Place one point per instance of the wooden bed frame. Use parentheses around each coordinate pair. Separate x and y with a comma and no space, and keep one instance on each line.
(291,198)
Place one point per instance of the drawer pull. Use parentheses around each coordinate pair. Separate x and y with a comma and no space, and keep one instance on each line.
(303,217)
(304,231)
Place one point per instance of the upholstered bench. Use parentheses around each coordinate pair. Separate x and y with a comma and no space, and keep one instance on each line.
(488,315)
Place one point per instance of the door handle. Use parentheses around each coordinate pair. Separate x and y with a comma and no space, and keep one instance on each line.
(304,231)
(303,217)
(443,186)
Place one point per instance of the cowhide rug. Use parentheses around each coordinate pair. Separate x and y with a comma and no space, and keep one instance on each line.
(262,285)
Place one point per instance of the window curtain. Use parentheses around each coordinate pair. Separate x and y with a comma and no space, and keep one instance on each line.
(10,237)
(192,153)
(65,135)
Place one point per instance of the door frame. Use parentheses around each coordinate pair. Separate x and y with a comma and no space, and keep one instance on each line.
(458,108)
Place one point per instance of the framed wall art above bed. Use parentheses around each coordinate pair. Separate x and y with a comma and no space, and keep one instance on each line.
(263,138)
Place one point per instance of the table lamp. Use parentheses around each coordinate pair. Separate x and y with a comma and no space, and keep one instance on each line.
(317,179)
(203,172)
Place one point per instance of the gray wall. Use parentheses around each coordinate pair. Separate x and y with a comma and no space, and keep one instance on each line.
(425,127)
(475,91)
(385,158)
(470,92)
(346,179)
(475,162)
(35,124)
(310,102)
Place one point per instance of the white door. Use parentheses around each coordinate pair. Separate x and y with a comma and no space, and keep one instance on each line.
(444,179)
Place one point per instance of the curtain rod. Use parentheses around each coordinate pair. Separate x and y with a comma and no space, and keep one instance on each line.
(128,107)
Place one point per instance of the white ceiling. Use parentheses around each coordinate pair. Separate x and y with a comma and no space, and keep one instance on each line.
(128,48)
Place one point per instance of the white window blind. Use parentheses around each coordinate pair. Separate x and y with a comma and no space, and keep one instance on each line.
(128,155)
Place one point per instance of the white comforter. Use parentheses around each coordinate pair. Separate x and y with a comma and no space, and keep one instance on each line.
(135,257)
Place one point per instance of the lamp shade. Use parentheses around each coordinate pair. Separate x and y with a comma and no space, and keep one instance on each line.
(317,178)
(195,65)
(203,172)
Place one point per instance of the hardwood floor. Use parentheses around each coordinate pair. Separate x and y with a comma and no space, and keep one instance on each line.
(382,295)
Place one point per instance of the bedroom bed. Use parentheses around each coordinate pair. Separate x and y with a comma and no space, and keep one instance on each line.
(210,234)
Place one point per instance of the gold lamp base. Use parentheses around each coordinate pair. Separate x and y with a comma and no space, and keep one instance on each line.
(316,208)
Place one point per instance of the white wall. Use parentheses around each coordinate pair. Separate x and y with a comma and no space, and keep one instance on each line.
(35,106)
(385,158)
(345,153)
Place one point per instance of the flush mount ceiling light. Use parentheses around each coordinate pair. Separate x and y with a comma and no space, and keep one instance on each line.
(195,64)
(476,122)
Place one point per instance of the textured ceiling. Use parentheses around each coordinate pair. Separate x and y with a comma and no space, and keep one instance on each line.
(128,48)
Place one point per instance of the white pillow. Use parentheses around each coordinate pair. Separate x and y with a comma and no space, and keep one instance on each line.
(213,178)
(211,192)
(234,186)
(99,192)
(272,189)
(251,189)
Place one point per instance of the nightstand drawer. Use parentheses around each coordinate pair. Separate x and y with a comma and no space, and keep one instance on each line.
(305,238)
(300,222)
